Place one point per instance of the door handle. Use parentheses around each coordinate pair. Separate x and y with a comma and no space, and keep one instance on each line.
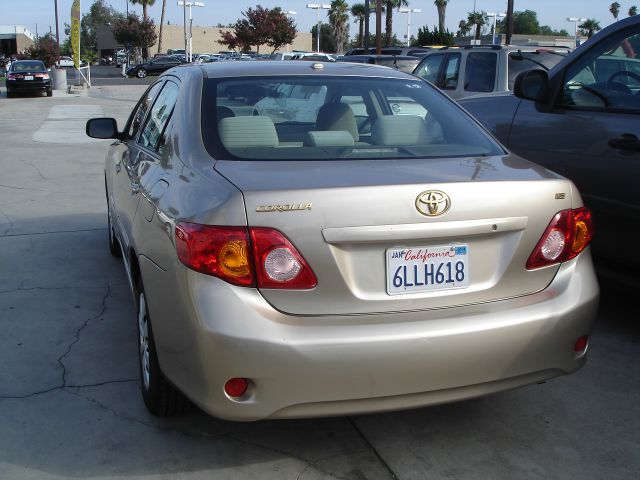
(118,166)
(135,187)
(626,141)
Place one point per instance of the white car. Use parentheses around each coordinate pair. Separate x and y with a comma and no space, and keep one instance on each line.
(65,62)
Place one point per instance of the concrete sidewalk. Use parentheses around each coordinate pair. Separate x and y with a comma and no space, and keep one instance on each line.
(70,404)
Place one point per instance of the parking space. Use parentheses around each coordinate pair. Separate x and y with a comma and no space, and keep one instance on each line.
(70,403)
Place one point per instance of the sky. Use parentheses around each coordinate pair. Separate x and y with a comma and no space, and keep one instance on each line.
(41,13)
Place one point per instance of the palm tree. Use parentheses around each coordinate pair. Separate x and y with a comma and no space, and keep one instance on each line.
(388,29)
(145,17)
(358,10)
(441,5)
(614,8)
(338,18)
(633,11)
(590,25)
(164,7)
(478,19)
(464,28)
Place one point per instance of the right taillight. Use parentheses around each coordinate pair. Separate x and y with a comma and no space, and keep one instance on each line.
(568,234)
(246,257)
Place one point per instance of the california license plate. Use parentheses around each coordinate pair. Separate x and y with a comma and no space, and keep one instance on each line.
(425,269)
(28,77)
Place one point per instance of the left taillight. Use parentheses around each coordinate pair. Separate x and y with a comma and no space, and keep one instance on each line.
(219,251)
(568,234)
(12,76)
(259,256)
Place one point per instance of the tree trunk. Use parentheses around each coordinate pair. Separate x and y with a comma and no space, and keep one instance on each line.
(441,12)
(164,7)
(478,30)
(388,24)
(145,49)
(361,32)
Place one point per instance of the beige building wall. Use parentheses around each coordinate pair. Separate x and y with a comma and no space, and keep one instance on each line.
(23,42)
(205,40)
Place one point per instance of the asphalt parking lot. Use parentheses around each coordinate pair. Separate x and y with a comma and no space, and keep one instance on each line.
(70,403)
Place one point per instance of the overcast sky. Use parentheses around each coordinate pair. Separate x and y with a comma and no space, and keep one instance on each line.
(550,12)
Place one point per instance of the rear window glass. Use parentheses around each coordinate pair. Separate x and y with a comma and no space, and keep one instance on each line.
(523,61)
(480,74)
(326,118)
(28,66)
(404,65)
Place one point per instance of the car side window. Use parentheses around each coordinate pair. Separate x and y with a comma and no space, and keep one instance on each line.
(430,67)
(159,116)
(480,74)
(451,70)
(606,77)
(138,114)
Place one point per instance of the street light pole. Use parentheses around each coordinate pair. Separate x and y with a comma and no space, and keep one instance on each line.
(290,13)
(575,21)
(188,46)
(408,11)
(493,28)
(317,7)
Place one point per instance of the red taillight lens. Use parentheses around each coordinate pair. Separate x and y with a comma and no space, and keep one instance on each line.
(219,251)
(42,75)
(12,76)
(567,235)
(236,387)
(278,263)
(226,252)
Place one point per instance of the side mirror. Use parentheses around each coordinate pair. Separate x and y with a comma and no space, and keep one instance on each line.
(531,85)
(102,128)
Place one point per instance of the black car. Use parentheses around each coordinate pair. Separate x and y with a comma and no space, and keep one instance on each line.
(403,63)
(153,67)
(28,76)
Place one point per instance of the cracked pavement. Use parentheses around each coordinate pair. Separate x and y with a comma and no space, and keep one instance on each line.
(70,404)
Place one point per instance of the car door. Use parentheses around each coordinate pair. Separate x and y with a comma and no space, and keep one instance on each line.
(129,165)
(591,135)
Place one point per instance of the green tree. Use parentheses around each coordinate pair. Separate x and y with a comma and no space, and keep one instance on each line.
(524,23)
(478,19)
(614,8)
(633,10)
(46,50)
(441,5)
(133,31)
(326,37)
(463,28)
(389,6)
(547,30)
(338,19)
(145,18)
(426,38)
(358,11)
(590,26)
(99,14)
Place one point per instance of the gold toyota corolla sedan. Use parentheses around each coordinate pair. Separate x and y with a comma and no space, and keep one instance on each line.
(311,239)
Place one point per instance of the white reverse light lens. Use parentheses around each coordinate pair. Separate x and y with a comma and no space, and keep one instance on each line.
(553,245)
(281,265)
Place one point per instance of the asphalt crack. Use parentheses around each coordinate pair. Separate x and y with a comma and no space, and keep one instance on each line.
(8,220)
(373,449)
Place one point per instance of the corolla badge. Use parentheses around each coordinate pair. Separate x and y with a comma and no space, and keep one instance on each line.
(433,203)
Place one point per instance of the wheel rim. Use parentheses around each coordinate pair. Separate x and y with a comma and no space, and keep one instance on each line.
(142,73)
(143,334)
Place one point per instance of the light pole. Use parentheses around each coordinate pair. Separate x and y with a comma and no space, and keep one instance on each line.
(317,7)
(575,21)
(409,11)
(291,13)
(493,28)
(188,46)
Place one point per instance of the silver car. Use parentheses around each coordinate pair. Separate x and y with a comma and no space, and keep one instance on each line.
(309,239)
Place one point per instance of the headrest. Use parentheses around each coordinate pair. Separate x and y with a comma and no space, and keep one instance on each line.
(332,138)
(247,131)
(399,130)
(337,116)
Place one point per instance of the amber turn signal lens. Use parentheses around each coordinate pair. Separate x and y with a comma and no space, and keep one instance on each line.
(233,259)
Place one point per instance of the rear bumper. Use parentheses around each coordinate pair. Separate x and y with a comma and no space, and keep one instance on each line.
(28,86)
(208,332)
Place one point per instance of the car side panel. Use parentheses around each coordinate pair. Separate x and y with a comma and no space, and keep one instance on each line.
(495,112)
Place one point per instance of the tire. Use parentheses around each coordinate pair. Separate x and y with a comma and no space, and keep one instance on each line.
(49,93)
(160,397)
(114,244)
(141,73)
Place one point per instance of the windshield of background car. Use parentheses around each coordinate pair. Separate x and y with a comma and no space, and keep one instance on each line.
(523,61)
(28,66)
(351,117)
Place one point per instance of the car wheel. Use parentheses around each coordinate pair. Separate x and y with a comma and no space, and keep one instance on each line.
(114,244)
(160,397)
(49,93)
(141,73)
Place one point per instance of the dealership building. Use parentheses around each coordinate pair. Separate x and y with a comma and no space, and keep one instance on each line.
(15,39)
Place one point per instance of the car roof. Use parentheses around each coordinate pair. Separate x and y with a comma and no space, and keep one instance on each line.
(266,69)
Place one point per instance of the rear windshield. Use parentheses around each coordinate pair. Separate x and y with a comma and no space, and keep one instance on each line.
(28,66)
(318,118)
(523,61)
(404,65)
